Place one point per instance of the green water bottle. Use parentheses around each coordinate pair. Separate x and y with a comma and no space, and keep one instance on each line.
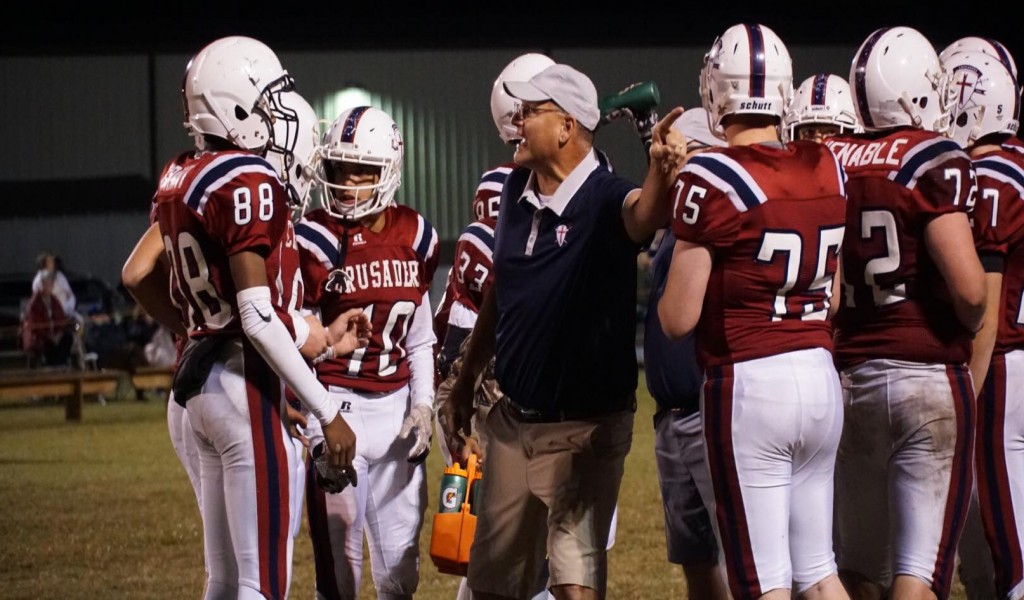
(453,489)
(637,97)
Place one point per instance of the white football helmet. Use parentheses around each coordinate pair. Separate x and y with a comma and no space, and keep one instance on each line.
(897,80)
(233,89)
(983,45)
(822,99)
(747,71)
(988,99)
(504,106)
(367,136)
(296,168)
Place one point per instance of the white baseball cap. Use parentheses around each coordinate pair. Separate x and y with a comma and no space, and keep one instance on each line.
(566,87)
(694,125)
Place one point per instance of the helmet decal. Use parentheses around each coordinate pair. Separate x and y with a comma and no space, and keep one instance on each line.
(348,133)
(820,86)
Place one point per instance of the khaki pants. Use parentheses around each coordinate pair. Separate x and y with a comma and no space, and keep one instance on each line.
(549,489)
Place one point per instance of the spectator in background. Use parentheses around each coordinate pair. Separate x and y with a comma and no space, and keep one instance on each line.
(48,263)
(46,331)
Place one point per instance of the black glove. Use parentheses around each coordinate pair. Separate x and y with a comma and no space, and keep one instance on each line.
(644,122)
(330,479)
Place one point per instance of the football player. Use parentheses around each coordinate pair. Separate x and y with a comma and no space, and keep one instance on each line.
(821,107)
(296,171)
(986,116)
(363,250)
(913,295)
(674,380)
(223,215)
(146,276)
(759,226)
(470,276)
(976,570)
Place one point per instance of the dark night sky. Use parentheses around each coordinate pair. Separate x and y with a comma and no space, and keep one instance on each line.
(95,28)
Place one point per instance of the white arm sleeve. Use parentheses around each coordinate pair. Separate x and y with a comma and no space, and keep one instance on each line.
(301,328)
(420,344)
(271,338)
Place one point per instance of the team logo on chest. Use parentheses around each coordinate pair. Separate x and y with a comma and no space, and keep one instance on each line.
(339,282)
(560,232)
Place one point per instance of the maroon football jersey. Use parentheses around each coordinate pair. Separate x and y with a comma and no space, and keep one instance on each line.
(469,263)
(385,273)
(895,302)
(474,264)
(773,219)
(211,206)
(999,224)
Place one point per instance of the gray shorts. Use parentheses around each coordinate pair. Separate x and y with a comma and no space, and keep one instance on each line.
(683,475)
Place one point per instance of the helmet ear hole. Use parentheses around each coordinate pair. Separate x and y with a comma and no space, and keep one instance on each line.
(240,113)
(961,120)
(923,102)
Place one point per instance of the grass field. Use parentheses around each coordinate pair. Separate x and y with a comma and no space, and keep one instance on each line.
(102,509)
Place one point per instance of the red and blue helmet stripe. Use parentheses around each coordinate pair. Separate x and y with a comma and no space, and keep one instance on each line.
(757,60)
(860,75)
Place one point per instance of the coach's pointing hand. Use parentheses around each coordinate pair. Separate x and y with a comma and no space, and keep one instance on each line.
(668,145)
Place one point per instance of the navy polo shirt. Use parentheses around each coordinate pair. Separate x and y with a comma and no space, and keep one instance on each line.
(565,278)
(673,376)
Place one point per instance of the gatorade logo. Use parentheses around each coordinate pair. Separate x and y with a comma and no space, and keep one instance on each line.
(450,497)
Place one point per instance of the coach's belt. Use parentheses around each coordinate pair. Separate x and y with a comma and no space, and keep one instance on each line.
(537,415)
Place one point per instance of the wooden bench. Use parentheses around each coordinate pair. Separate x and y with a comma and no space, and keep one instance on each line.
(152,378)
(73,385)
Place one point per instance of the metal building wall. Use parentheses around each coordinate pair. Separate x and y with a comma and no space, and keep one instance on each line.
(88,116)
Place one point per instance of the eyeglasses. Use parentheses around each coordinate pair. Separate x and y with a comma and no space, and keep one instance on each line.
(525,112)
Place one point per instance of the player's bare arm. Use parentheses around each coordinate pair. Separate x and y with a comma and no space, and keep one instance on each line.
(951,245)
(146,277)
(647,210)
(985,339)
(272,340)
(680,305)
